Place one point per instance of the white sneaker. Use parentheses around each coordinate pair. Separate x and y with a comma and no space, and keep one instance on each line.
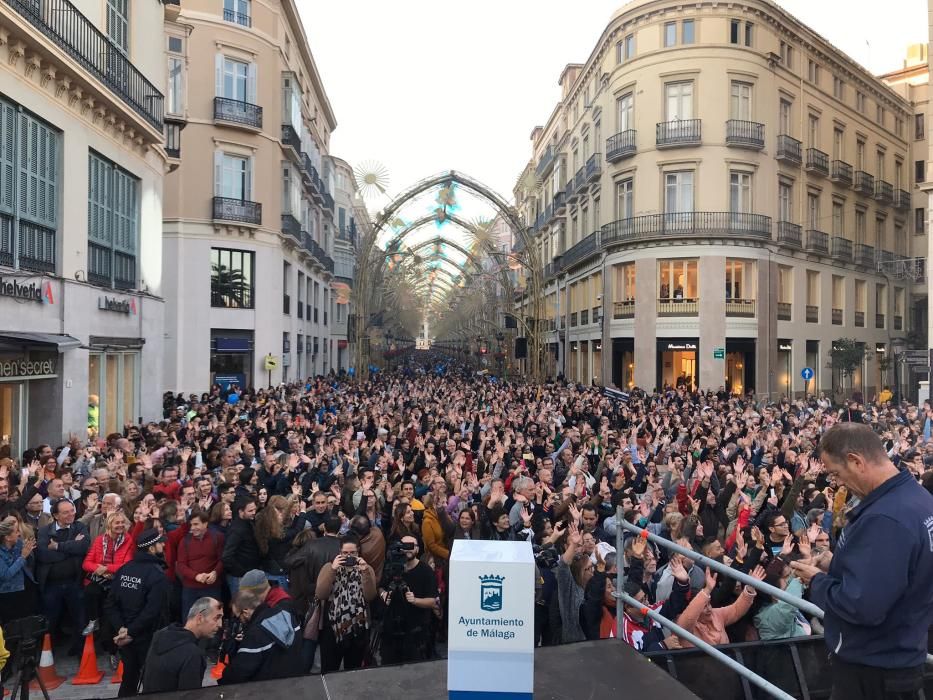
(91,628)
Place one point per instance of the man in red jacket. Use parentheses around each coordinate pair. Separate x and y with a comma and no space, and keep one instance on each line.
(198,564)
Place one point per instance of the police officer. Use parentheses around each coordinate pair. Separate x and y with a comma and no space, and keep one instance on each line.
(136,605)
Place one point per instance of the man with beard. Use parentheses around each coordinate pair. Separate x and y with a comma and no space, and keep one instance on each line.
(409,595)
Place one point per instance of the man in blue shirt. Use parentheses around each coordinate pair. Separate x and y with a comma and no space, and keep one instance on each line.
(875,588)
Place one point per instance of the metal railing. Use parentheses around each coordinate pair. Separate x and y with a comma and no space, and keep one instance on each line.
(817,241)
(788,232)
(902,199)
(898,323)
(560,202)
(241,210)
(687,223)
(783,311)
(817,161)
(865,255)
(879,320)
(859,319)
(594,167)
(680,132)
(884,191)
(745,134)
(841,172)
(837,317)
(547,159)
(71,31)
(788,149)
(842,248)
(238,112)
(240,18)
(291,226)
(864,182)
(813,313)
(291,138)
(621,145)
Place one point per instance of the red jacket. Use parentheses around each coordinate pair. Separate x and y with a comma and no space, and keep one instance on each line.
(171,547)
(116,556)
(171,491)
(275,596)
(199,556)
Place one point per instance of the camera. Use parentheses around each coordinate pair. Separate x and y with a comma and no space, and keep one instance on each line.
(395,562)
(25,635)
(545,557)
(351,561)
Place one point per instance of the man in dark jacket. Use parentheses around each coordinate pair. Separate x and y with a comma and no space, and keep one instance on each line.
(61,549)
(271,646)
(136,604)
(875,589)
(176,660)
(241,550)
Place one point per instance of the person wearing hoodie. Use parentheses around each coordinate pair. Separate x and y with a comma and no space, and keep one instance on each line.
(241,550)
(271,645)
(176,660)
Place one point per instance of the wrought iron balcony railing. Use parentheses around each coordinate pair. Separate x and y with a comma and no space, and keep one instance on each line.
(841,172)
(859,319)
(237,112)
(842,248)
(621,145)
(594,167)
(789,233)
(680,132)
(745,134)
(813,314)
(865,255)
(864,183)
(291,138)
(902,199)
(291,226)
(239,210)
(75,34)
(788,149)
(817,162)
(783,311)
(687,224)
(817,242)
(879,320)
(240,18)
(884,191)
(837,317)
(546,161)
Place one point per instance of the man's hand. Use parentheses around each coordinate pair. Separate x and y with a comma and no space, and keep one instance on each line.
(805,572)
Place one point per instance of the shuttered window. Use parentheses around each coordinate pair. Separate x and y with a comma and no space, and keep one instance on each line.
(29,152)
(118,23)
(113,230)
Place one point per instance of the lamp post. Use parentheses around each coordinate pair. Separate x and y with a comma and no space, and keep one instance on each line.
(899,346)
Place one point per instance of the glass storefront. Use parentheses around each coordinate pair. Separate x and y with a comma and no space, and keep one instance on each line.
(12,396)
(623,362)
(231,358)
(113,391)
(785,372)
(740,365)
(677,362)
(813,362)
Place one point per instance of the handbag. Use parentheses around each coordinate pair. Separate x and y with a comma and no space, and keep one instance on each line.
(312,621)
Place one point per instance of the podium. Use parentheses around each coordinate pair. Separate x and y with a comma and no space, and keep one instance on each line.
(490,630)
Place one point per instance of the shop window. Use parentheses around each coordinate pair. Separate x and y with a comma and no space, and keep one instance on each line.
(113,391)
(677,279)
(232,278)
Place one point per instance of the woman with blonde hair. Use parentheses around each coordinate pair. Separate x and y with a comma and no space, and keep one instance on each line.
(108,552)
(271,538)
(17,583)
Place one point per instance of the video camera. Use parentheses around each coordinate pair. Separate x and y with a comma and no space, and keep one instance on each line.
(545,557)
(25,635)
(395,564)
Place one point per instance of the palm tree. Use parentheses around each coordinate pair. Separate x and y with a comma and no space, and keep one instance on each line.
(228,287)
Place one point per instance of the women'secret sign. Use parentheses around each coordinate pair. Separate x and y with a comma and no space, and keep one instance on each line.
(490,633)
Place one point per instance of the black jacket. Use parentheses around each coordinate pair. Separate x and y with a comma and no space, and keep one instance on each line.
(271,648)
(138,596)
(241,551)
(66,560)
(304,564)
(175,661)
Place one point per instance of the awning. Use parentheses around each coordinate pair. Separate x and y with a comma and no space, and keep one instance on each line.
(16,340)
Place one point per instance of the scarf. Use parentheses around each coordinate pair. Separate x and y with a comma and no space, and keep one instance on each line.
(116,545)
(348,612)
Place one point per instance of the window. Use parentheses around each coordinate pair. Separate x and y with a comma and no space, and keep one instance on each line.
(860,102)
(839,88)
(813,211)
(678,192)
(584,222)
(734,27)
(898,174)
(920,217)
(237,11)
(739,279)
(787,55)
(859,226)
(624,199)
(881,238)
(784,117)
(232,274)
(861,299)
(741,101)
(677,279)
(813,131)
(900,240)
(919,120)
(813,71)
(813,288)
(838,218)
(785,284)
(899,126)
(235,82)
(920,171)
(879,164)
(175,89)
(860,155)
(118,22)
(879,114)
(740,192)
(114,378)
(286,288)
(736,33)
(113,213)
(670,33)
(881,304)
(232,177)
(687,32)
(678,100)
(629,51)
(29,151)
(625,112)
(748,33)
(175,44)
(839,144)
(785,201)
(838,284)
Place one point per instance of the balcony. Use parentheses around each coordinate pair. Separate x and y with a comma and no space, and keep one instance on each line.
(687,224)
(677,133)
(678,307)
(864,255)
(743,134)
(902,199)
(783,311)
(570,191)
(788,150)
(238,210)
(898,323)
(582,251)
(817,242)
(560,202)
(291,226)
(621,145)
(884,192)
(594,167)
(173,139)
(859,319)
(328,202)
(837,317)
(579,179)
(740,307)
(237,112)
(291,138)
(71,31)
(817,162)
(842,248)
(547,160)
(328,264)
(813,314)
(879,320)
(864,183)
(240,18)
(841,173)
(789,233)
(623,309)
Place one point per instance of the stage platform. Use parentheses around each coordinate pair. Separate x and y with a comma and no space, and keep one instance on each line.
(600,669)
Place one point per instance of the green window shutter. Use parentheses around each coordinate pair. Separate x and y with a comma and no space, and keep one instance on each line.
(38,172)
(99,220)
(7,156)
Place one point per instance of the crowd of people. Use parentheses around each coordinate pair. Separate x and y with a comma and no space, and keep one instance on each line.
(270,528)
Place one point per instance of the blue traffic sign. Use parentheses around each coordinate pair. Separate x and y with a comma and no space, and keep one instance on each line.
(807,373)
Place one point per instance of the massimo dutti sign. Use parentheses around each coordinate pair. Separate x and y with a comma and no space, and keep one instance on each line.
(120,306)
(38,291)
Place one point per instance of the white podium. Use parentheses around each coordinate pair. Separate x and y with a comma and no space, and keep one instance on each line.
(490,630)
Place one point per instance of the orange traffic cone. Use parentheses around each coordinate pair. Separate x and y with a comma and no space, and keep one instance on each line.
(88,673)
(46,671)
(118,676)
(219,667)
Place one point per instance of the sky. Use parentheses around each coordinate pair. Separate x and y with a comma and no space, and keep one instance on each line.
(423,87)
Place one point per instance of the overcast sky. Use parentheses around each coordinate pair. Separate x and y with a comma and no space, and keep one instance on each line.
(424,86)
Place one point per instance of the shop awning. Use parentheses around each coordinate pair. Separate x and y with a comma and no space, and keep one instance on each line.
(40,340)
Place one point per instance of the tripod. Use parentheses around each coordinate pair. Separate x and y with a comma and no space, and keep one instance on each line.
(27,659)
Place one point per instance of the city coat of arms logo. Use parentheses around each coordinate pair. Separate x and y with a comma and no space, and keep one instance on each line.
(490,593)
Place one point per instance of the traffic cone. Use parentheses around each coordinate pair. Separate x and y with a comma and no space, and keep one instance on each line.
(46,671)
(88,673)
(219,667)
(118,676)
